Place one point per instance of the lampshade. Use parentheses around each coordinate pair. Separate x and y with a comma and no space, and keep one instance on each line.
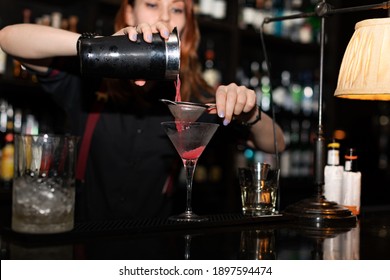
(365,69)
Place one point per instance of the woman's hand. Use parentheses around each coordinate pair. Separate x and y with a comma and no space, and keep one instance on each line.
(240,103)
(235,101)
(147,31)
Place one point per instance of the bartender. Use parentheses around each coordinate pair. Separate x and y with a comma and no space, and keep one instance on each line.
(130,162)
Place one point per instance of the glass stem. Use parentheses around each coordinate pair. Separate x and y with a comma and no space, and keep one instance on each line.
(189,167)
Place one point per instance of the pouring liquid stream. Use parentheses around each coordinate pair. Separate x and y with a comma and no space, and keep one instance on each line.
(178,85)
(184,110)
(178,96)
(193,154)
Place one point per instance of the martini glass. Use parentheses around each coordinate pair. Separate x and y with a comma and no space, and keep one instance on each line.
(189,139)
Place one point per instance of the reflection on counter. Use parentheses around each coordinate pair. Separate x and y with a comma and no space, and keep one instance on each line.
(257,245)
(345,246)
(259,240)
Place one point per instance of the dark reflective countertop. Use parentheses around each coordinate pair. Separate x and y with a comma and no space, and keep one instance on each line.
(225,236)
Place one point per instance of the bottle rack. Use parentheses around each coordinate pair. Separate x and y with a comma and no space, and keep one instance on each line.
(241,43)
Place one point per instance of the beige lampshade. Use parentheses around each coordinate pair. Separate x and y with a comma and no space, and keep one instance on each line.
(365,69)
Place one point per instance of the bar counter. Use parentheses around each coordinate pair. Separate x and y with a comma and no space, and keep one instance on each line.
(223,237)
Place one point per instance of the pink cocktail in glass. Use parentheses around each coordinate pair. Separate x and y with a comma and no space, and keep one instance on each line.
(190,139)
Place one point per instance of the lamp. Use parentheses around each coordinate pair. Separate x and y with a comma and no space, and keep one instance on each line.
(317,211)
(365,68)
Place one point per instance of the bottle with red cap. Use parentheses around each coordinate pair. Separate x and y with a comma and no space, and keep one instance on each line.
(350,164)
(351,182)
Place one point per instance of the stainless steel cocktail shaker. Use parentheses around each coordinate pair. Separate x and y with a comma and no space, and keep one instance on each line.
(118,57)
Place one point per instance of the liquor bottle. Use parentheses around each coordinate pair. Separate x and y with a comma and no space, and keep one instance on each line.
(205,7)
(73,23)
(56,19)
(247,13)
(219,9)
(30,125)
(46,20)
(254,81)
(265,88)
(351,182)
(3,128)
(296,92)
(65,24)
(350,163)
(18,118)
(333,173)
(211,74)
(308,94)
(7,153)
(281,94)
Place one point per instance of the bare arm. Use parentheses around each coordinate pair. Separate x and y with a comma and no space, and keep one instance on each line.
(262,135)
(35,44)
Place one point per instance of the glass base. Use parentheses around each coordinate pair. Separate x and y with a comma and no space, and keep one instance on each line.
(188,216)
(255,213)
(25,226)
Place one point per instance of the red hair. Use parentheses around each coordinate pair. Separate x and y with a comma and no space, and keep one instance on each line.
(190,71)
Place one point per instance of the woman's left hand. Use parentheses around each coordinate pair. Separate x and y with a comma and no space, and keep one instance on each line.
(147,32)
(235,101)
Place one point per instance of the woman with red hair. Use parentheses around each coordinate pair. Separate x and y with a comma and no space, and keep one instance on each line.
(129,161)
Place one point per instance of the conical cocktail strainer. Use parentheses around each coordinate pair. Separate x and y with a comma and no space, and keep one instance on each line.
(186,111)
